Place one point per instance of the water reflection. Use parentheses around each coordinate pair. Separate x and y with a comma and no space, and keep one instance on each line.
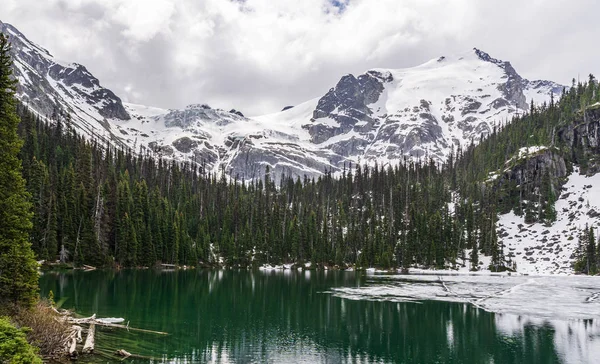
(248,317)
(576,341)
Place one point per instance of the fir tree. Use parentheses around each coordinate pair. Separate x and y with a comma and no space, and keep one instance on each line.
(591,262)
(18,273)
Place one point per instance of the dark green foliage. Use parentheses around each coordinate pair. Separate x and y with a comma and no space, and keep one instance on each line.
(588,261)
(591,258)
(14,348)
(18,269)
(138,211)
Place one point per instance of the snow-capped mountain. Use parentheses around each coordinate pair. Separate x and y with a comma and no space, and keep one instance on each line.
(379,116)
(50,86)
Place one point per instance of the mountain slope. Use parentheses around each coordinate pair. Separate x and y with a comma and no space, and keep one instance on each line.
(54,88)
(378,117)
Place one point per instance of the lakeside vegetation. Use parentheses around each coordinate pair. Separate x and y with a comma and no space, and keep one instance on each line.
(18,274)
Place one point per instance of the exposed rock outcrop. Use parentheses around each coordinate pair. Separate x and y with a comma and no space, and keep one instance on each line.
(583,139)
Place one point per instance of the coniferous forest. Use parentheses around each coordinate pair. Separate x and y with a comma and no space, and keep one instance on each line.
(98,205)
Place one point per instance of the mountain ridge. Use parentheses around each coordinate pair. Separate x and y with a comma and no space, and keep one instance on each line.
(380,116)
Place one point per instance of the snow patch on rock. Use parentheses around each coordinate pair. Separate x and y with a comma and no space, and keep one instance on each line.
(540,249)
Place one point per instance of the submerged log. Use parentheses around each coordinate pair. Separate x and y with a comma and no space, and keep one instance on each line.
(127,327)
(109,323)
(88,347)
(111,320)
(123,353)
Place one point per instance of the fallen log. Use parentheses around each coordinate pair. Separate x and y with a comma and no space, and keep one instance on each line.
(78,331)
(88,347)
(118,326)
(73,347)
(108,323)
(85,320)
(111,320)
(72,340)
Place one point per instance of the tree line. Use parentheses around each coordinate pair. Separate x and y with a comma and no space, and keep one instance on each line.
(98,205)
(588,253)
(101,205)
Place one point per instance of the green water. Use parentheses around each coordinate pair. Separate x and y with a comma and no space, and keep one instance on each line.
(276,317)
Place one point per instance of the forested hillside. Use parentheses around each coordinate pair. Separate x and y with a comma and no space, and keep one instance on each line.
(98,205)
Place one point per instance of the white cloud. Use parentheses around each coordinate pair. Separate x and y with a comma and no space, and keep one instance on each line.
(260,55)
(143,19)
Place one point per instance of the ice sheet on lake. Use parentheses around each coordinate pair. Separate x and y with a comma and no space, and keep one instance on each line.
(551,297)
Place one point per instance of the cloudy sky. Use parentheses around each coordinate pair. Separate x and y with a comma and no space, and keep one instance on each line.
(260,55)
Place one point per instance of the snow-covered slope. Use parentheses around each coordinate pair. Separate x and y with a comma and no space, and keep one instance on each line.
(54,88)
(378,117)
(540,249)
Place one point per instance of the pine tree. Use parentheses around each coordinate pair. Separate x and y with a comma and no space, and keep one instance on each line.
(591,253)
(474,258)
(598,257)
(18,271)
(547,193)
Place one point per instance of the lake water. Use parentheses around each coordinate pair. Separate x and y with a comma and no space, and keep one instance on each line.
(300,317)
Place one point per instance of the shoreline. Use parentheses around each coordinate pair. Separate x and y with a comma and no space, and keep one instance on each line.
(45,268)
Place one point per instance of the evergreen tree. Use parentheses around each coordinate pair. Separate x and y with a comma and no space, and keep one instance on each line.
(475,259)
(591,262)
(18,271)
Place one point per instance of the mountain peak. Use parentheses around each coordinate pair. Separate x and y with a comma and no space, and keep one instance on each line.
(198,106)
(18,39)
(486,57)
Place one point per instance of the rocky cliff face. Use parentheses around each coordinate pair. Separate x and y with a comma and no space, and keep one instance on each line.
(428,110)
(526,171)
(348,104)
(381,116)
(577,143)
(583,140)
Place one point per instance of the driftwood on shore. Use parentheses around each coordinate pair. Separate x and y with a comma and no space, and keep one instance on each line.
(88,347)
(75,336)
(72,340)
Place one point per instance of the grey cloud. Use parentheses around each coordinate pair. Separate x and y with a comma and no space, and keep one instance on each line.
(255,59)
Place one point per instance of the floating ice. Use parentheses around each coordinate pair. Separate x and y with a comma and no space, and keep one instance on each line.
(551,297)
